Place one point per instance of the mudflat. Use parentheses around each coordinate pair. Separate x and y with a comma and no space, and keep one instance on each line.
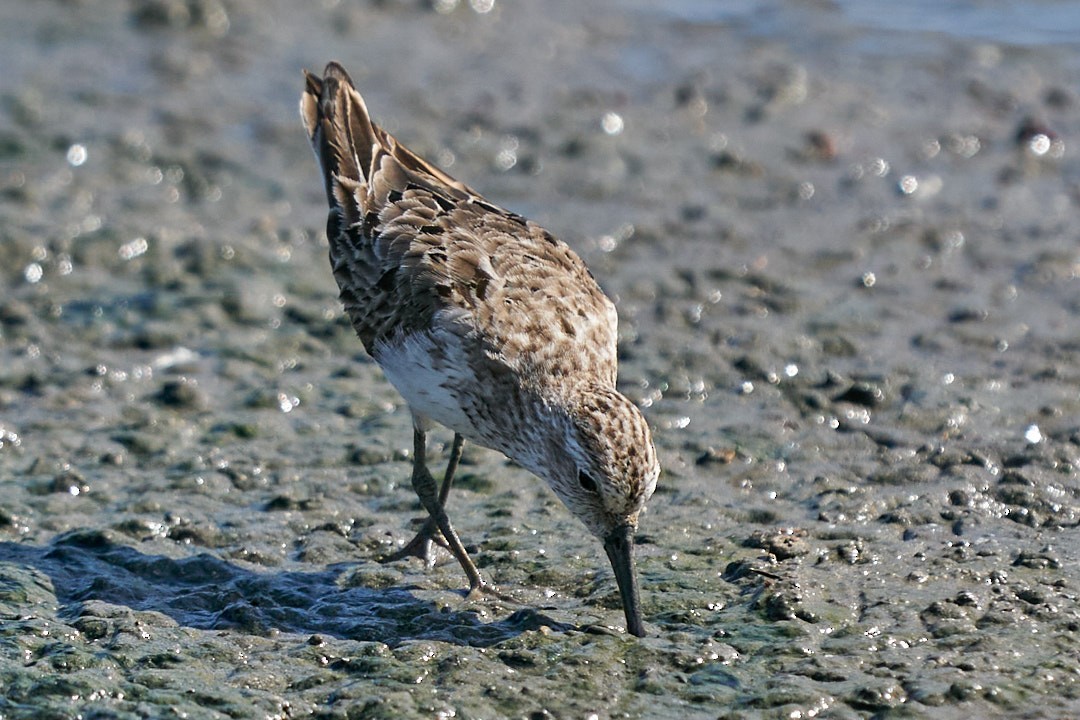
(846,269)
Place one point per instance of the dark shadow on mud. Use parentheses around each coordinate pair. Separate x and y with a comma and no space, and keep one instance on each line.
(86,567)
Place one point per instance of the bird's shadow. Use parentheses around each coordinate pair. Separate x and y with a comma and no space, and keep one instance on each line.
(205,592)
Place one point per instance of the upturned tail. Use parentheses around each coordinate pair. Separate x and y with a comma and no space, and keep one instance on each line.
(361,162)
(343,137)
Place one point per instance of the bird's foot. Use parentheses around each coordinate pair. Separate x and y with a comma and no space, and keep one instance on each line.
(486,590)
(422,546)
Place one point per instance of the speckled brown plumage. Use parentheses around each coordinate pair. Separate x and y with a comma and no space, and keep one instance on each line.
(484,322)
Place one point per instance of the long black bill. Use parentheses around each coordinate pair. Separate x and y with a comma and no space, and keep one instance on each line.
(620,550)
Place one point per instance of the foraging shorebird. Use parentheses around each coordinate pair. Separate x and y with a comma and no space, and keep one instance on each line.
(486,324)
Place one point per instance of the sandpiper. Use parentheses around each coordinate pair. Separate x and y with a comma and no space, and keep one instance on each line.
(486,324)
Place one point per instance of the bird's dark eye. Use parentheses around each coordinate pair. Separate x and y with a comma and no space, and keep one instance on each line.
(586,481)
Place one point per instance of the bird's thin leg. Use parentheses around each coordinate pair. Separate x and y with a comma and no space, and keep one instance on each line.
(451,468)
(420,545)
(425,488)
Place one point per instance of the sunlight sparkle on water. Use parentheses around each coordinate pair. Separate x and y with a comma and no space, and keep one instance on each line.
(76,155)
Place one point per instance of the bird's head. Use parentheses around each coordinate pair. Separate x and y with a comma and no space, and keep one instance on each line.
(603,467)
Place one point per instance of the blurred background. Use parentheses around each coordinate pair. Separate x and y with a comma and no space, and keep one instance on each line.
(842,239)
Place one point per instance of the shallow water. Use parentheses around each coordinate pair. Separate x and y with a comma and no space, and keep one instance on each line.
(846,269)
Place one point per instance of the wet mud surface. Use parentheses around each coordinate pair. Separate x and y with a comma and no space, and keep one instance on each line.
(846,269)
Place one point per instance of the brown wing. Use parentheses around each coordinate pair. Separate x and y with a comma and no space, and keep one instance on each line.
(411,247)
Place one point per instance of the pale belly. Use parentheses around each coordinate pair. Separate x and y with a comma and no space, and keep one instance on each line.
(424,368)
(437,380)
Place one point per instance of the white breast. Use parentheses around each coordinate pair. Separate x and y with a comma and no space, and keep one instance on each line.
(423,367)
